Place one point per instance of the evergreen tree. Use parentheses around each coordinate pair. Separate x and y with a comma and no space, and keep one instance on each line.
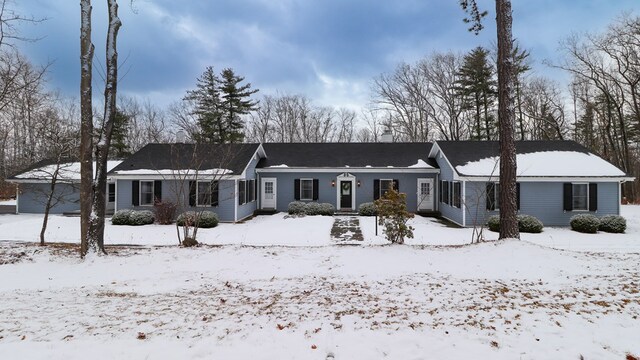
(477,86)
(236,102)
(207,108)
(119,135)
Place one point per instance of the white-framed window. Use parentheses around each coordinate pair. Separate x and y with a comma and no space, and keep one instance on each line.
(385,185)
(493,196)
(203,193)
(111,192)
(580,196)
(456,194)
(146,193)
(242,192)
(306,189)
(251,190)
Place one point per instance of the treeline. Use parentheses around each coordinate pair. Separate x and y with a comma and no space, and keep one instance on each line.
(445,95)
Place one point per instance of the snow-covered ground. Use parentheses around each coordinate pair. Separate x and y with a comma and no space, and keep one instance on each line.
(248,300)
(8,202)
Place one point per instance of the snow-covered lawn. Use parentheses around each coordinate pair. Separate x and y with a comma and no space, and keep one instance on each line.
(497,300)
(11,202)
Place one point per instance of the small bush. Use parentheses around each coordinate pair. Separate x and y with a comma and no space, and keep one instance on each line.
(141,217)
(121,217)
(164,212)
(585,223)
(613,224)
(526,224)
(327,209)
(203,219)
(296,208)
(494,223)
(312,208)
(367,209)
(529,224)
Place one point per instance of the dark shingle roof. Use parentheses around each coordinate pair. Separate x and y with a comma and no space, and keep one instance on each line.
(234,157)
(462,152)
(329,155)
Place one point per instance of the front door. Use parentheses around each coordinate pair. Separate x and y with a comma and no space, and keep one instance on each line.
(269,188)
(345,194)
(425,194)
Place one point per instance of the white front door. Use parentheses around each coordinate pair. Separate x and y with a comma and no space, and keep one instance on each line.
(269,193)
(425,194)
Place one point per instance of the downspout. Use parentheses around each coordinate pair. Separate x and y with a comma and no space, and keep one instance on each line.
(235,201)
(17,198)
(115,202)
(463,204)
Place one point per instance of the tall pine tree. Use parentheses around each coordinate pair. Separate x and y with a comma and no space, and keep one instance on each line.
(219,102)
(477,85)
(236,102)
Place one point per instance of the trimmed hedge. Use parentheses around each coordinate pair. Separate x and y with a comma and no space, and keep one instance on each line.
(367,209)
(494,223)
(529,224)
(132,217)
(585,223)
(205,219)
(311,208)
(613,224)
(526,224)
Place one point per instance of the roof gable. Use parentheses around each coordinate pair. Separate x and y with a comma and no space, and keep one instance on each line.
(534,158)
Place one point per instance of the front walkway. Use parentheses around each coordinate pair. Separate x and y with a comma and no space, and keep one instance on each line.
(346,231)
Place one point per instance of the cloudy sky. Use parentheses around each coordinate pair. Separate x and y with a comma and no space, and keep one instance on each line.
(328,50)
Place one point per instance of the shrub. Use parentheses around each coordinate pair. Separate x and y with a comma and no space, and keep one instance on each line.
(613,224)
(312,208)
(121,217)
(203,219)
(296,208)
(327,209)
(392,209)
(529,224)
(141,217)
(526,224)
(367,209)
(585,223)
(494,223)
(164,212)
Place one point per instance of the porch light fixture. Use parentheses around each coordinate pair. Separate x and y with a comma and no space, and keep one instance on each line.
(358,183)
(333,183)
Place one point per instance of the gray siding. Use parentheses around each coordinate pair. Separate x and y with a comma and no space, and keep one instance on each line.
(544,200)
(408,184)
(249,208)
(32,198)
(446,173)
(177,192)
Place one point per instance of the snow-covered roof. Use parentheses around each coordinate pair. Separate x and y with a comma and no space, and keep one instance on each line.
(543,158)
(68,171)
(546,163)
(421,164)
(204,172)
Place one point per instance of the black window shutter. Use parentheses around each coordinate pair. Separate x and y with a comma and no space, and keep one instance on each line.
(491,194)
(440,193)
(135,192)
(396,185)
(568,196)
(157,190)
(296,189)
(376,189)
(593,197)
(214,193)
(316,185)
(192,193)
(518,195)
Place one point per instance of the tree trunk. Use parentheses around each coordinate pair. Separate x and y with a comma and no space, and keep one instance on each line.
(506,119)
(86,127)
(47,207)
(96,231)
